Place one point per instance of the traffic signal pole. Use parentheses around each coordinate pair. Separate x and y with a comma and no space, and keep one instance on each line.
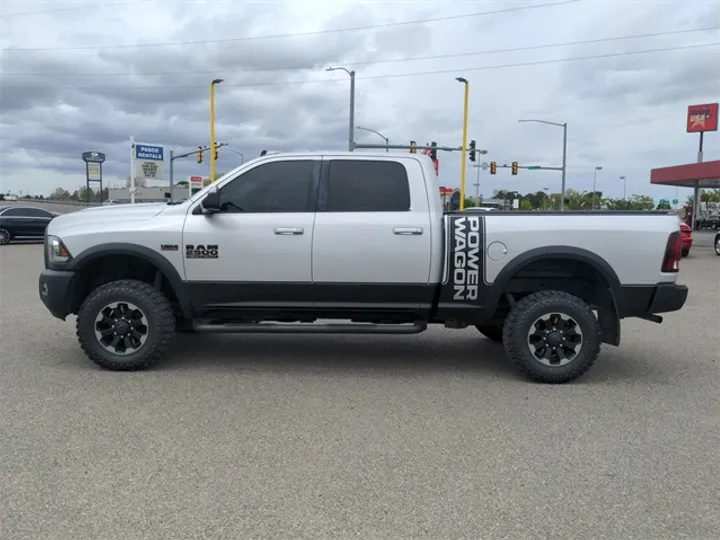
(173,157)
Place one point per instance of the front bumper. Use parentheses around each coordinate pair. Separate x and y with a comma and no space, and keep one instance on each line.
(55,288)
(651,300)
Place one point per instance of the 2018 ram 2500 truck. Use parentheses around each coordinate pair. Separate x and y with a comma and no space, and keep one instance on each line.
(287,240)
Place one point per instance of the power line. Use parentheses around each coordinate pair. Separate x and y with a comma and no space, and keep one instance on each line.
(389,76)
(277,36)
(382,60)
(89,6)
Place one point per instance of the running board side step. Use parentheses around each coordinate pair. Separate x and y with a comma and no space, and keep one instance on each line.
(309,328)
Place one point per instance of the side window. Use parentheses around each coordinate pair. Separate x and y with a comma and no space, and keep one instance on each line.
(37,213)
(367,186)
(282,186)
(15,212)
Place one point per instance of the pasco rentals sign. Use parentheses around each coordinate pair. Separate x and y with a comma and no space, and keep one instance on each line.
(149,161)
(702,118)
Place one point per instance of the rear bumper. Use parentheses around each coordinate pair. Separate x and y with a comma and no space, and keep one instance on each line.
(55,288)
(662,298)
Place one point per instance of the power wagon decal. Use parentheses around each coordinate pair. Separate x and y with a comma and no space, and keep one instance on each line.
(464,271)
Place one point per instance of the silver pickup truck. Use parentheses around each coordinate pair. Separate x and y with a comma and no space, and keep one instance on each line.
(361,242)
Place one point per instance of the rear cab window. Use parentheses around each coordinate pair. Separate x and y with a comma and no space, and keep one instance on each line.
(367,186)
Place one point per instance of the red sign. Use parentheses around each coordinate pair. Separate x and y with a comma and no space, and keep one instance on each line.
(436,164)
(702,118)
(446,190)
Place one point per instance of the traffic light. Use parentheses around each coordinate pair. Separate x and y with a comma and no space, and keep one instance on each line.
(215,153)
(493,167)
(199,154)
(433,151)
(514,167)
(413,147)
(472,150)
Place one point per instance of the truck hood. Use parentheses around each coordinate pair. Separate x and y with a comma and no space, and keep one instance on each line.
(104,217)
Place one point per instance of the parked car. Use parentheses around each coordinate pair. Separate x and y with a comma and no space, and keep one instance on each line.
(686,238)
(23,222)
(11,197)
(287,240)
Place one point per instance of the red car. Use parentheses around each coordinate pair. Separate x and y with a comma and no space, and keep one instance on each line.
(685,238)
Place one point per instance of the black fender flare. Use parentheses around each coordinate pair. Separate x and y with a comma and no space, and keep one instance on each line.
(555,252)
(141,252)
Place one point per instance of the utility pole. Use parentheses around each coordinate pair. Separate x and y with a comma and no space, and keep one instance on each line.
(351,126)
(464,141)
(212,127)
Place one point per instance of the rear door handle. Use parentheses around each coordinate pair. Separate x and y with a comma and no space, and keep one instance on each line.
(408,230)
(289,230)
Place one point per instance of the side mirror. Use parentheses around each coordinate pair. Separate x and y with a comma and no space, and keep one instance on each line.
(211,202)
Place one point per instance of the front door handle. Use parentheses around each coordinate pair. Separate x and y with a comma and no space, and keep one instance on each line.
(289,230)
(408,230)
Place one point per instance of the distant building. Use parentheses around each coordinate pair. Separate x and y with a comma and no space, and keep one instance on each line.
(145,194)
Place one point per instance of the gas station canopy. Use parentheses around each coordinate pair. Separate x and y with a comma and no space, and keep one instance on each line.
(704,175)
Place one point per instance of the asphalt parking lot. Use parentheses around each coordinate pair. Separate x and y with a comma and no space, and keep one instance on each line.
(429,436)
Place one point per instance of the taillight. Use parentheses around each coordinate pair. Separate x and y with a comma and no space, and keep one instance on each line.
(673,253)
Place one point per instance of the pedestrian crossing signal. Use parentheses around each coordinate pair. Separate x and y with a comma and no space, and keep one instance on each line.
(493,167)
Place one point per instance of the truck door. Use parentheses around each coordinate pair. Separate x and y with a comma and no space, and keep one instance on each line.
(372,241)
(255,253)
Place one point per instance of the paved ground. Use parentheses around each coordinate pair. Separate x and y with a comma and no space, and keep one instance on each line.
(430,436)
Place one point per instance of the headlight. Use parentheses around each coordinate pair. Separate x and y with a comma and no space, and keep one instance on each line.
(56,250)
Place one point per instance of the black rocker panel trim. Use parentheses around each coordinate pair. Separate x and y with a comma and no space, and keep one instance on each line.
(323,298)
(142,252)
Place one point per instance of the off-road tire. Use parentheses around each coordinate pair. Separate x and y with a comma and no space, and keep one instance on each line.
(5,237)
(155,306)
(493,333)
(524,314)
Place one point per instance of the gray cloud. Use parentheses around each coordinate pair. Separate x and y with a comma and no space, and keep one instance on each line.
(626,113)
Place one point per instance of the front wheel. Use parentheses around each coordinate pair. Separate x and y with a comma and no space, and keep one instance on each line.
(552,336)
(125,325)
(5,237)
(685,252)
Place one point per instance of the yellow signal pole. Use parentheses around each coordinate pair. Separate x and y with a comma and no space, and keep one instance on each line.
(212,128)
(464,141)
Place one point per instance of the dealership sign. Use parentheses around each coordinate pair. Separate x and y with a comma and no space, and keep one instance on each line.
(149,161)
(702,118)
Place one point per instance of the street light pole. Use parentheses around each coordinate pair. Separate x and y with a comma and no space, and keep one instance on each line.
(242,156)
(387,141)
(464,141)
(598,168)
(212,128)
(624,187)
(564,156)
(351,127)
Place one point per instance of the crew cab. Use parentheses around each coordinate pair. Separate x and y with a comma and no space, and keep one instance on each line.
(359,240)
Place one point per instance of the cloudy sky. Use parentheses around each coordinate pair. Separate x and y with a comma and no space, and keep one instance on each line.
(86,75)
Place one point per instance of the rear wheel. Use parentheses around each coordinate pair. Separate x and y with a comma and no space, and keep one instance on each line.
(685,252)
(125,325)
(717,244)
(493,333)
(5,237)
(552,336)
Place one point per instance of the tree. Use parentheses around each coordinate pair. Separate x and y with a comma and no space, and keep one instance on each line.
(139,182)
(60,194)
(525,204)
